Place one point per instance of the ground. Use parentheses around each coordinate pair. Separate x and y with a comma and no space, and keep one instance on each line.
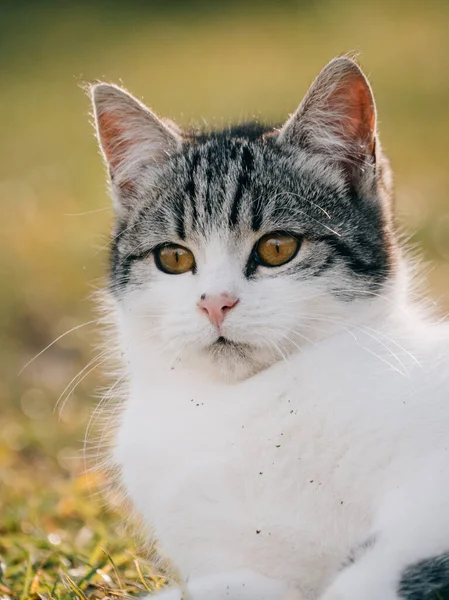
(57,538)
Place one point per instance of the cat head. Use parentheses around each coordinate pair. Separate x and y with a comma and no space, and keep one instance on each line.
(244,245)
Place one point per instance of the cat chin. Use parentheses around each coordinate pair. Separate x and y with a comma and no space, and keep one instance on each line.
(237,361)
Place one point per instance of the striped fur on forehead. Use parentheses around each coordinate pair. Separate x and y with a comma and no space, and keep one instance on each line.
(236,183)
(242,185)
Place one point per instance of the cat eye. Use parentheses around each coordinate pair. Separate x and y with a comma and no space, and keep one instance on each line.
(174,259)
(276,249)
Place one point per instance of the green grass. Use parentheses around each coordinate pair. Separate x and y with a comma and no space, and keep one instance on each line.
(57,540)
(73,552)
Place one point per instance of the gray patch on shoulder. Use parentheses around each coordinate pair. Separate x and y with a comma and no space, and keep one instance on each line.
(427,579)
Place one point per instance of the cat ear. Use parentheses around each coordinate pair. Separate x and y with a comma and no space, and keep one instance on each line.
(130,137)
(337,118)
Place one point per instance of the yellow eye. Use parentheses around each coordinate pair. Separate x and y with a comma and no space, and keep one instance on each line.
(174,259)
(276,249)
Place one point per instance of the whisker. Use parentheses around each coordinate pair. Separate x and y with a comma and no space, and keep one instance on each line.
(54,342)
(88,212)
(101,406)
(64,402)
(78,375)
(306,200)
(391,340)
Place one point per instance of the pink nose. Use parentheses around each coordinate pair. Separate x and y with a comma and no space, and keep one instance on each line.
(216,307)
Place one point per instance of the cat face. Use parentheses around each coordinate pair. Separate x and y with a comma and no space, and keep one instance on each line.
(244,245)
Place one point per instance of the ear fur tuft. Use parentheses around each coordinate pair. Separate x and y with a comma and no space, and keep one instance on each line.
(337,117)
(129,134)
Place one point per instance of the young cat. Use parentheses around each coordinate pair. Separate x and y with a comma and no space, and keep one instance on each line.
(286,421)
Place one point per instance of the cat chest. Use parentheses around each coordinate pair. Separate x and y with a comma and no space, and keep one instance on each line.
(249,485)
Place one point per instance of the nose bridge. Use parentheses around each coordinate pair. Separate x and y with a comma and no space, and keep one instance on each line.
(219,273)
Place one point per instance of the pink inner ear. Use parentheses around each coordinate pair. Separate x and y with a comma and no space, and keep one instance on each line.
(115,144)
(112,139)
(353,99)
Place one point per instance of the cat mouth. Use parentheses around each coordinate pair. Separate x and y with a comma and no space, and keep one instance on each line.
(225,347)
(235,359)
(222,341)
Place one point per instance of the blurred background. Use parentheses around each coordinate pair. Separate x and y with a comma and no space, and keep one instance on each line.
(211,61)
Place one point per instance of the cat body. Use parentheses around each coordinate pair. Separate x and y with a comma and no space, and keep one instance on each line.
(287,472)
(286,416)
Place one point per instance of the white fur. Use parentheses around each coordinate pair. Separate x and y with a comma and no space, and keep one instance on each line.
(345,439)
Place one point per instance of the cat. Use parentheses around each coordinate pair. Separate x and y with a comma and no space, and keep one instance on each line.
(285,426)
